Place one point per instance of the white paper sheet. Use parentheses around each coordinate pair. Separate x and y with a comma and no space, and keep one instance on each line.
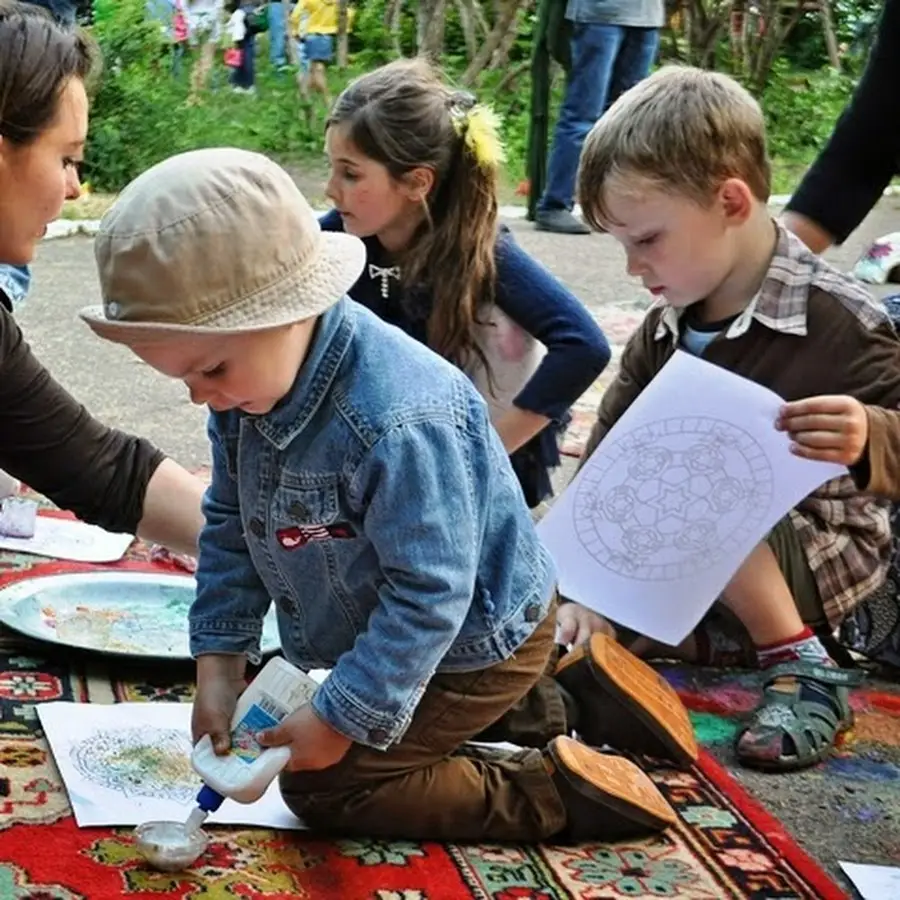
(128,763)
(69,539)
(684,486)
(874,882)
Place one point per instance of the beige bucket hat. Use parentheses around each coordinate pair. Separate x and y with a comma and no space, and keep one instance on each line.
(211,242)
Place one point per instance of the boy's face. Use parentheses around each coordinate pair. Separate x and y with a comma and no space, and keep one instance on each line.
(682,251)
(251,372)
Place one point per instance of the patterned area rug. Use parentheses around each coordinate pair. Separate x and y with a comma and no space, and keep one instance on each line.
(725,846)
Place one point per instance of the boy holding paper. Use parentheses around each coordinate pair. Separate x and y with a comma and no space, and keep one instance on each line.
(677,171)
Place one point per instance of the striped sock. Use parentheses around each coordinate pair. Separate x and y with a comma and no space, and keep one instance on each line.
(803,646)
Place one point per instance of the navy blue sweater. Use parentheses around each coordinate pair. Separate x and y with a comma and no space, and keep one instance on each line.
(577,351)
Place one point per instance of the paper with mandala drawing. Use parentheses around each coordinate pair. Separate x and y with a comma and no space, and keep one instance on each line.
(683,487)
(128,763)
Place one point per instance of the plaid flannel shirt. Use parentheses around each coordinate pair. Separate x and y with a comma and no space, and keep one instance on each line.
(809,330)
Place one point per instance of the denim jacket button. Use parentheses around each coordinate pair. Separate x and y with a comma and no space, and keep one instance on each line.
(298,510)
(286,604)
(533,612)
(257,528)
(378,735)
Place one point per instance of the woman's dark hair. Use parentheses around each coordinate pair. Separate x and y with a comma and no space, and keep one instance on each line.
(37,59)
(403,116)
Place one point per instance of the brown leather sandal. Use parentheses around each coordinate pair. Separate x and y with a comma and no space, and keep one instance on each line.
(625,703)
(606,797)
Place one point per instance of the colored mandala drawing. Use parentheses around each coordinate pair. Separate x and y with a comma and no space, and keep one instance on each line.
(671,498)
(139,762)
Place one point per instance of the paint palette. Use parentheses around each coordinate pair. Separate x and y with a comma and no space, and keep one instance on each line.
(119,613)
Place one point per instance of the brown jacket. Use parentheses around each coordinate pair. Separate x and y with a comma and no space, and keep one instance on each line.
(50,441)
(809,331)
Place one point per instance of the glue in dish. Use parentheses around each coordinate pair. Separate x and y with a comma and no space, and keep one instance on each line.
(248,769)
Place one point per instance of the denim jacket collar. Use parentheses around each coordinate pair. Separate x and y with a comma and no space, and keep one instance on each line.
(330,343)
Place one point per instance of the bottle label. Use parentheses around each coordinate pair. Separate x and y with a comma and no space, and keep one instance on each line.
(264,713)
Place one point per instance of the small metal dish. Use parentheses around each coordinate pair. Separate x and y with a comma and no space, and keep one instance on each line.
(165,846)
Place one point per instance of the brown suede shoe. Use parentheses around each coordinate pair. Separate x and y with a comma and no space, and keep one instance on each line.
(607,797)
(625,703)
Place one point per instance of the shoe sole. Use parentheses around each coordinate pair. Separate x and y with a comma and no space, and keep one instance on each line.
(611,781)
(641,690)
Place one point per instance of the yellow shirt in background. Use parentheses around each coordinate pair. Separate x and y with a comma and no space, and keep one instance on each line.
(321,17)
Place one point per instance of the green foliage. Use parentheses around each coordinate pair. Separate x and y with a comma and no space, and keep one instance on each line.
(854,23)
(802,109)
(141,115)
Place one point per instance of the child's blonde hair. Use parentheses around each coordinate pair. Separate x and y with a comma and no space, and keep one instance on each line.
(685,131)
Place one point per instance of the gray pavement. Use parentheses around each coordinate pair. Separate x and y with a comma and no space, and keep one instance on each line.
(124,392)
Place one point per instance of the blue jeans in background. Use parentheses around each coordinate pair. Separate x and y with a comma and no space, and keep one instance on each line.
(606,61)
(277,35)
(244,75)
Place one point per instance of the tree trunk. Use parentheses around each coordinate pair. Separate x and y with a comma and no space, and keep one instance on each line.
(501,54)
(777,27)
(506,22)
(430,29)
(706,20)
(342,35)
(467,23)
(834,57)
(392,12)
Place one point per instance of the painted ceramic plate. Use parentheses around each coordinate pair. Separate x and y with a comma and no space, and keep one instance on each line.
(120,613)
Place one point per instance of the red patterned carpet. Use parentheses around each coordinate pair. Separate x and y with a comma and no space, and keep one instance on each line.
(725,845)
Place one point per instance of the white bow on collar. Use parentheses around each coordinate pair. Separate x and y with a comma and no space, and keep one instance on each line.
(384,273)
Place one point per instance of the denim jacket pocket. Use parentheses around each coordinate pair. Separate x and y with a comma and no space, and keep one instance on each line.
(305,499)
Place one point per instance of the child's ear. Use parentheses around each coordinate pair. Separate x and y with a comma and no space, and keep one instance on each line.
(737,200)
(418,183)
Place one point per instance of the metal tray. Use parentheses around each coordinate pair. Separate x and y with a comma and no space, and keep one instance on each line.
(132,614)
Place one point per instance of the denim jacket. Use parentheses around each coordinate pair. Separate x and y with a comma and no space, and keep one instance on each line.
(376,505)
(14,283)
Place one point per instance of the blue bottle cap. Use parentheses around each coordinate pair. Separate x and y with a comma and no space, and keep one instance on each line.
(209,800)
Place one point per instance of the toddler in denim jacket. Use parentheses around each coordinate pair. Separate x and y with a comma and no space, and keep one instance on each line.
(358,484)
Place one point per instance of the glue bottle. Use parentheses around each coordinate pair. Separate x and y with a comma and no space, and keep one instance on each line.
(247,770)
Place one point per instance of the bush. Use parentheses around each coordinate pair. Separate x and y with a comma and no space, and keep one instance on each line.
(140,115)
(802,110)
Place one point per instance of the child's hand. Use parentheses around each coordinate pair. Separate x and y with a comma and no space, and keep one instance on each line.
(220,681)
(576,623)
(314,744)
(827,428)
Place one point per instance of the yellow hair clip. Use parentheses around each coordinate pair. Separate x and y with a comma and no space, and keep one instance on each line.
(480,128)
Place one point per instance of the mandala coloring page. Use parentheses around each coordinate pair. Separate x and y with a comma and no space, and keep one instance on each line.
(128,763)
(683,487)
